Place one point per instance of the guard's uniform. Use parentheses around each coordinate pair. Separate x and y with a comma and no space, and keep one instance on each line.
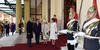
(72,25)
(92,29)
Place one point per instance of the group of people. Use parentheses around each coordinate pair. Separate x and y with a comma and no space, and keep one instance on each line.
(41,28)
(6,27)
(90,31)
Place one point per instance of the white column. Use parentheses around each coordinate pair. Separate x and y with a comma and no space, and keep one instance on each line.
(60,13)
(57,8)
(98,4)
(86,5)
(27,12)
(2,16)
(53,7)
(45,9)
(18,13)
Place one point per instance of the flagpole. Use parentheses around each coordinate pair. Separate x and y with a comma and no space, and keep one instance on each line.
(95,4)
(80,15)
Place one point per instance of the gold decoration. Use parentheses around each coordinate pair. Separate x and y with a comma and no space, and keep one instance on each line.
(91,9)
(70,26)
(93,25)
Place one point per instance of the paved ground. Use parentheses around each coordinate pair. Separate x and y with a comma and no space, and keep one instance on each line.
(22,39)
(80,46)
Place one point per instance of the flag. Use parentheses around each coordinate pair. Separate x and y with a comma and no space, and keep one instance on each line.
(76,15)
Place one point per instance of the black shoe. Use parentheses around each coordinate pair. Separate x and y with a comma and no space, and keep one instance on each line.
(76,45)
(37,43)
(29,46)
(45,44)
(53,45)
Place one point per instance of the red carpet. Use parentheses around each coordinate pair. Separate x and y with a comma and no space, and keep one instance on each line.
(59,43)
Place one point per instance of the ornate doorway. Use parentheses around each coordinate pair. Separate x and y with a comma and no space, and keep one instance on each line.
(36,8)
(67,5)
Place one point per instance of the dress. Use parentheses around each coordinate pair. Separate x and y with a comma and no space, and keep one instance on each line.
(13,27)
(45,31)
(53,30)
(92,29)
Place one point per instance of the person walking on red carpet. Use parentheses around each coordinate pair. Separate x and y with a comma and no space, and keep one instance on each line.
(53,31)
(7,28)
(45,31)
(29,32)
(12,28)
(37,30)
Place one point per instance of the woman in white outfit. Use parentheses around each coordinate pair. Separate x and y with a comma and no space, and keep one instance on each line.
(53,31)
(45,31)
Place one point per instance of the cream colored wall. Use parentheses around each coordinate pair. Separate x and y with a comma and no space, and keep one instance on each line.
(53,7)
(45,9)
(86,5)
(57,7)
(60,13)
(98,3)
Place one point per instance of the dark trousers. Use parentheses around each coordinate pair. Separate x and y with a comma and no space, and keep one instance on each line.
(20,31)
(29,40)
(37,38)
(12,33)
(76,45)
(70,47)
(7,34)
(1,33)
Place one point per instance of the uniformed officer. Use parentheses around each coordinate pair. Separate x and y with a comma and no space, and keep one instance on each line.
(72,25)
(91,27)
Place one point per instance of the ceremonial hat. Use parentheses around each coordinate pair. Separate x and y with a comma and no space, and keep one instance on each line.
(92,9)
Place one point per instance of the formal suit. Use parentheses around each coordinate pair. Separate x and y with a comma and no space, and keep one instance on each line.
(37,31)
(29,32)
(7,29)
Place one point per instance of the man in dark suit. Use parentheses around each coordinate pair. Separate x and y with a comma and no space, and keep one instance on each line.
(7,28)
(37,30)
(29,32)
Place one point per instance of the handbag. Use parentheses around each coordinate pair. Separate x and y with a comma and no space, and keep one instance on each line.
(41,36)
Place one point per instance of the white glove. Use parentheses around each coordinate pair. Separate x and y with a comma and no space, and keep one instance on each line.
(87,36)
(75,35)
(81,34)
(99,40)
